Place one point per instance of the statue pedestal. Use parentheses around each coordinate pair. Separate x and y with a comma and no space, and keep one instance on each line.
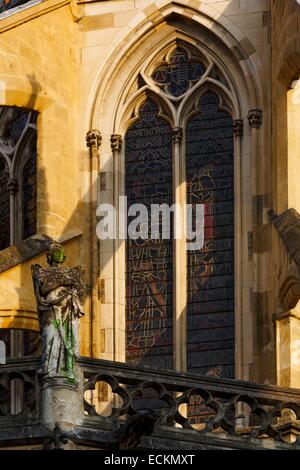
(61,408)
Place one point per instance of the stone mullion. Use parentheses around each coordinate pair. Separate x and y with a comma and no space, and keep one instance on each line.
(16,336)
(238,129)
(93,140)
(259,246)
(13,191)
(118,307)
(179,255)
(255,122)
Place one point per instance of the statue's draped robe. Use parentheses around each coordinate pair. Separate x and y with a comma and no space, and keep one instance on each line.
(58,292)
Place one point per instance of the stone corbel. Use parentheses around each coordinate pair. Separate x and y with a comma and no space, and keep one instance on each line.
(255,118)
(288,228)
(93,139)
(238,127)
(287,316)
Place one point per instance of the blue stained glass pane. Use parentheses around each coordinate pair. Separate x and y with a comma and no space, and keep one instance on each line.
(4,206)
(210,181)
(178,75)
(29,193)
(16,125)
(148,179)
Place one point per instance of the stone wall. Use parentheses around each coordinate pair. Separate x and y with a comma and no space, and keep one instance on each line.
(116,38)
(285,171)
(39,70)
(72,63)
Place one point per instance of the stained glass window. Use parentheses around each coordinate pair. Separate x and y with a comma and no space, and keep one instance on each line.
(4,205)
(8,4)
(15,125)
(149,273)
(177,75)
(210,181)
(29,193)
(206,148)
(18,140)
(18,160)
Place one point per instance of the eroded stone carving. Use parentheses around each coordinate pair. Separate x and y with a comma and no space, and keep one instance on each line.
(288,227)
(59,292)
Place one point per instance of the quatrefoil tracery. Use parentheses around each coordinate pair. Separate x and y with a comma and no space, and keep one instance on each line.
(179,73)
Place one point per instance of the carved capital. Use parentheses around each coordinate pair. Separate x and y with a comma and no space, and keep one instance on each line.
(177,134)
(13,185)
(255,118)
(238,127)
(93,139)
(116,142)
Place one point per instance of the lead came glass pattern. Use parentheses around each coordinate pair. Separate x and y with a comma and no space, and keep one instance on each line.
(4,205)
(210,181)
(18,146)
(29,193)
(15,125)
(149,273)
(177,76)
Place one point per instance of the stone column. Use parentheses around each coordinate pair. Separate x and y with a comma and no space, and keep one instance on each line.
(288,347)
(179,255)
(13,188)
(93,141)
(238,130)
(118,259)
(16,336)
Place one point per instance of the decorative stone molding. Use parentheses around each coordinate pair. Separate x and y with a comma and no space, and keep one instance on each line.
(255,118)
(23,251)
(289,291)
(29,248)
(177,134)
(93,139)
(283,314)
(116,142)
(288,227)
(238,127)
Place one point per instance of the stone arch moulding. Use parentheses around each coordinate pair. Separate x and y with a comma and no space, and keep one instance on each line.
(205,21)
(114,104)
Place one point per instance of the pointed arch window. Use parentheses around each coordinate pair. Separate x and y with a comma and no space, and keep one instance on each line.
(18,141)
(179,148)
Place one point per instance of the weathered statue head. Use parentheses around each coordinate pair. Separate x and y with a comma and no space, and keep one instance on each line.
(56,254)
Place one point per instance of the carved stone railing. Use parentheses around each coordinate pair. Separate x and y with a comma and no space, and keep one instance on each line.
(19,391)
(223,407)
(127,408)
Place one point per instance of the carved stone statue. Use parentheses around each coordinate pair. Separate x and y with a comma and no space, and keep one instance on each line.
(59,291)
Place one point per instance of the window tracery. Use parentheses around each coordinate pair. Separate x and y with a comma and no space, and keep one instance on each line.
(179,74)
(17,174)
(195,94)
